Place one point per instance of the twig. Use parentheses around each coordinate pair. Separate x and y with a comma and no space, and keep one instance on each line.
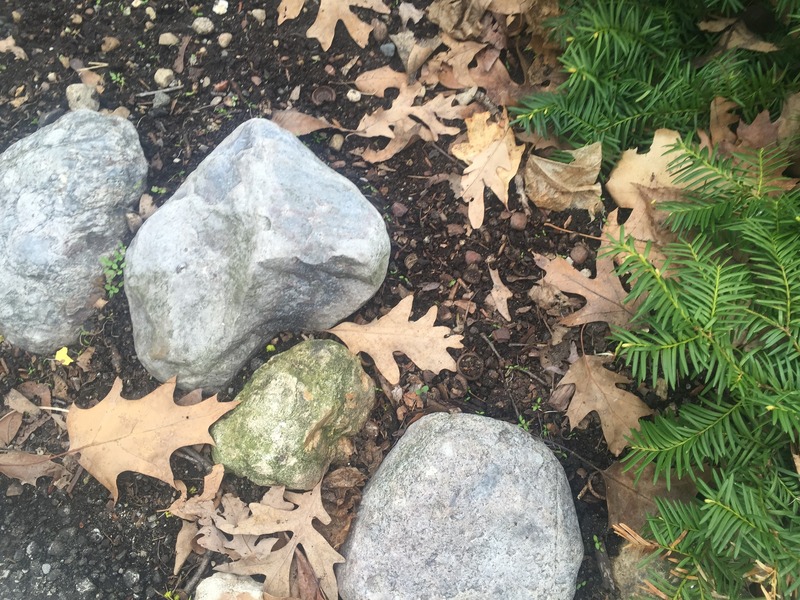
(497,354)
(198,574)
(166,89)
(195,457)
(586,235)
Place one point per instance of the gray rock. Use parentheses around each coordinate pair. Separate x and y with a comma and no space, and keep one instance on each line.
(261,238)
(474,508)
(64,191)
(295,416)
(81,95)
(227,585)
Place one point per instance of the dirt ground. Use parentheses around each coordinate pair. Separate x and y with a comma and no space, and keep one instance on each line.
(72,543)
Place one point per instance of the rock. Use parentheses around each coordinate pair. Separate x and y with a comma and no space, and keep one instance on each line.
(81,95)
(227,585)
(518,221)
(164,78)
(261,238)
(388,49)
(259,14)
(203,26)
(168,39)
(109,44)
(63,195)
(295,416)
(161,100)
(474,508)
(471,257)
(224,39)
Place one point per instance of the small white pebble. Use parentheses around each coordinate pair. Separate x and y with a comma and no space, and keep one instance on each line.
(168,39)
(203,25)
(164,78)
(220,7)
(259,14)
(353,95)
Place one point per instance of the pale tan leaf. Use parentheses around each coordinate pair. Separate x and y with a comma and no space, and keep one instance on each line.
(493,158)
(297,518)
(559,186)
(605,296)
(333,11)
(9,426)
(191,508)
(300,123)
(722,117)
(409,12)
(119,435)
(412,52)
(377,81)
(19,403)
(596,390)
(29,467)
(648,170)
(183,544)
(423,343)
(500,294)
(631,503)
(289,9)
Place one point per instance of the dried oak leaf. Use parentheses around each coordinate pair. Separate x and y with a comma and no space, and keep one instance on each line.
(29,467)
(422,342)
(553,185)
(274,515)
(596,390)
(605,296)
(119,435)
(300,123)
(493,158)
(333,11)
(289,9)
(500,294)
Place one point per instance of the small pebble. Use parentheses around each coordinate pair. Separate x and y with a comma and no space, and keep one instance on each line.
(220,7)
(259,14)
(80,95)
(518,221)
(353,95)
(161,100)
(388,49)
(150,12)
(379,30)
(579,254)
(337,141)
(164,78)
(203,26)
(224,39)
(168,39)
(109,44)
(471,257)
(46,568)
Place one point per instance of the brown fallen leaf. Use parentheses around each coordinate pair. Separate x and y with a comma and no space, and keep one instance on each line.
(500,294)
(459,18)
(274,515)
(630,502)
(9,426)
(119,435)
(300,123)
(722,117)
(83,361)
(423,343)
(19,403)
(559,186)
(333,11)
(29,467)
(605,296)
(493,158)
(735,34)
(412,52)
(596,390)
(377,81)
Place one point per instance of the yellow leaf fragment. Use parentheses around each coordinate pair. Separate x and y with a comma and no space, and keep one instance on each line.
(423,343)
(62,356)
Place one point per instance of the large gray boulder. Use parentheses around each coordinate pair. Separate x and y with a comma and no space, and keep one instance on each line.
(64,191)
(263,237)
(464,507)
(296,415)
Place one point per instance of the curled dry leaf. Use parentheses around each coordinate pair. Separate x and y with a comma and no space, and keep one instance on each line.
(492,156)
(300,123)
(596,390)
(560,186)
(9,426)
(423,343)
(119,435)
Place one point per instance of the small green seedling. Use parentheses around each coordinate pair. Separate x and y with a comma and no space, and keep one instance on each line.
(113,267)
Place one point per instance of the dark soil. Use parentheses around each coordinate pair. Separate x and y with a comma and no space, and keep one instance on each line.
(73,543)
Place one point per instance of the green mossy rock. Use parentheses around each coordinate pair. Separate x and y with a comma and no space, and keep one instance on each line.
(295,416)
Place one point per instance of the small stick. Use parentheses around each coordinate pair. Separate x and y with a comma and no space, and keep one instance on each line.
(198,574)
(586,235)
(154,92)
